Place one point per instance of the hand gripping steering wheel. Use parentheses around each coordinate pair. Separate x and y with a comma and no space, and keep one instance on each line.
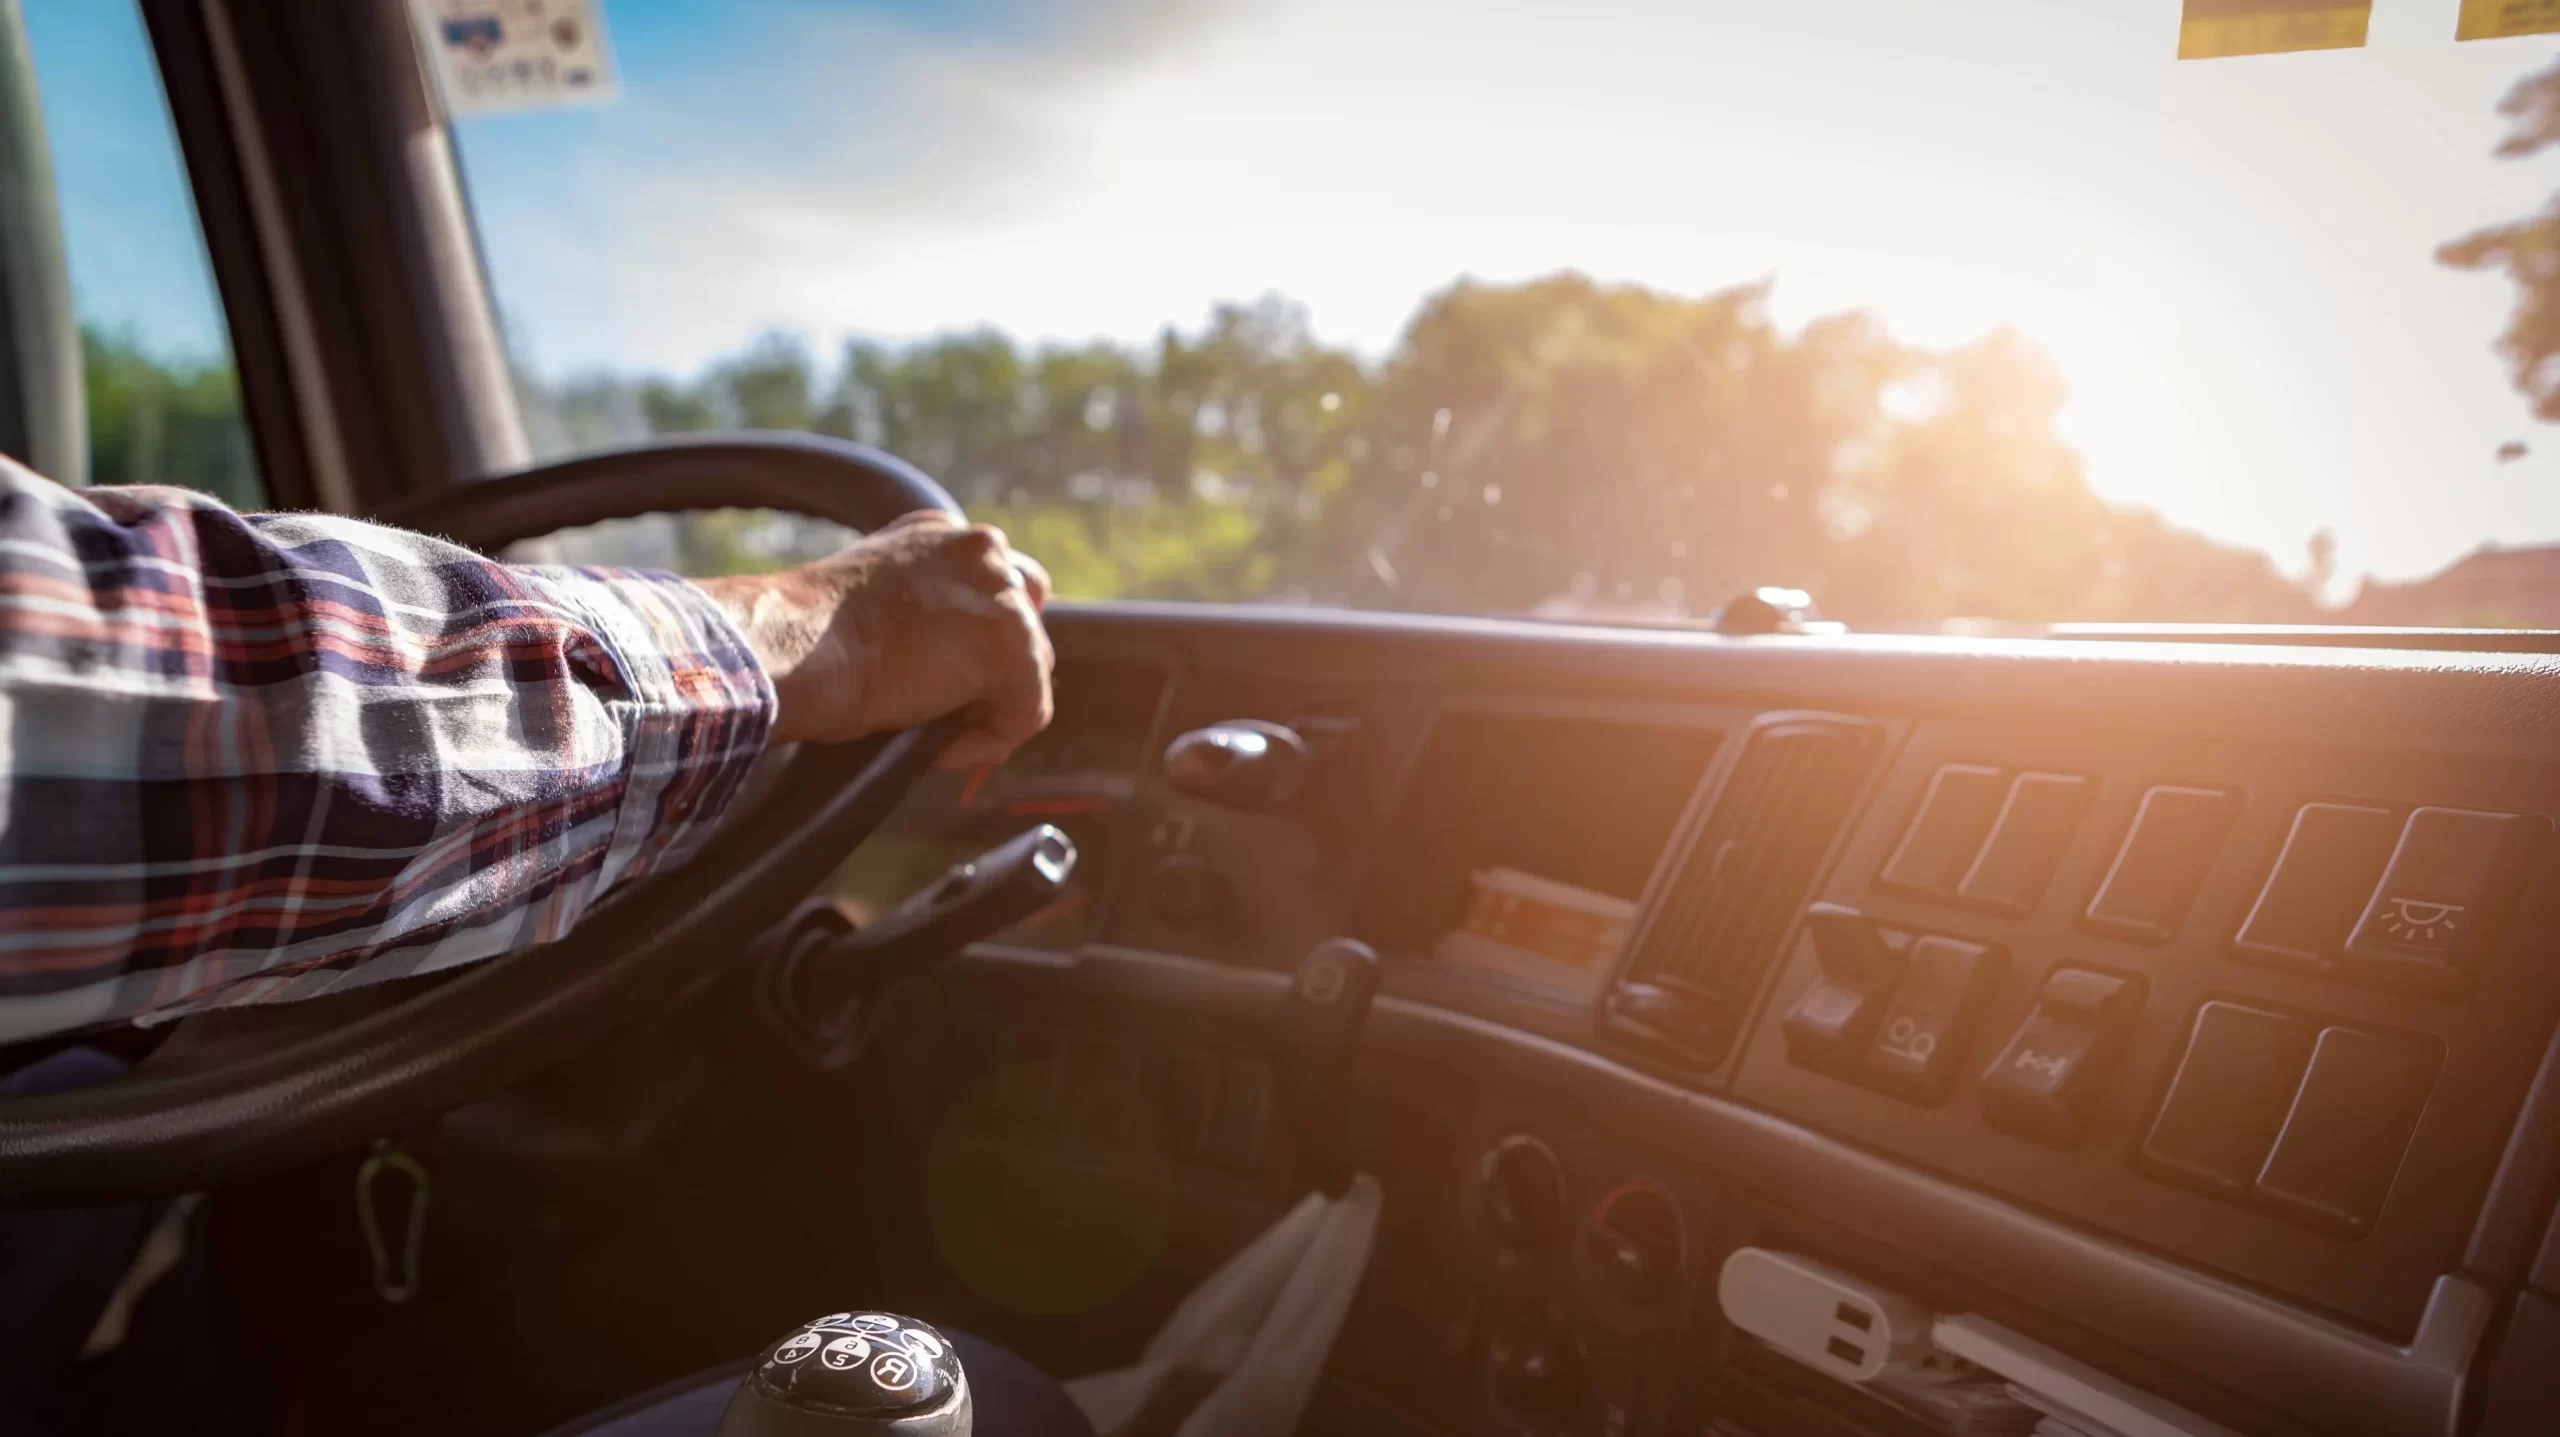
(331,1080)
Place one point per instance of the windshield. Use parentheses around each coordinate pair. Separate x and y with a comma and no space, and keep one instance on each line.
(1986,309)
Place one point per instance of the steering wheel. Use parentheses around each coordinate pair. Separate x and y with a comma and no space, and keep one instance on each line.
(330,1081)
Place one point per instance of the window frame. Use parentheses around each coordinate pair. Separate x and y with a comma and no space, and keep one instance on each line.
(350,280)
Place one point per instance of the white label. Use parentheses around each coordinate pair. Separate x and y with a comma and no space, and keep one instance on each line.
(896,1371)
(492,55)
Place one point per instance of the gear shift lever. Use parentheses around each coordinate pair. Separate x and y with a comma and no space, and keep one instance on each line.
(854,1374)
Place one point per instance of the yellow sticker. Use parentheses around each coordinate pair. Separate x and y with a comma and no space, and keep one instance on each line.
(2497,19)
(2213,29)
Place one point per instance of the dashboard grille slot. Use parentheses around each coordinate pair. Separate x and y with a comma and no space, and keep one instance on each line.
(1737,886)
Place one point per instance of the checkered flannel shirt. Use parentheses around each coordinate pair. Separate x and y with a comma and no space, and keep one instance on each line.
(246,758)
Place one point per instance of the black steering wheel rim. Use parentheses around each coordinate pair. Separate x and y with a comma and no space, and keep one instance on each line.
(163,1132)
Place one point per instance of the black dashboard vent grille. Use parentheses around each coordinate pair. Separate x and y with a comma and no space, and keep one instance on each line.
(1733,892)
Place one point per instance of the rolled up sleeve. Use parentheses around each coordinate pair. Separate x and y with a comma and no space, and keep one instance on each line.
(252,758)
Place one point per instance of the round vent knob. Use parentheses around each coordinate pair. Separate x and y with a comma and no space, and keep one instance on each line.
(1522,1187)
(1634,1247)
(1538,1379)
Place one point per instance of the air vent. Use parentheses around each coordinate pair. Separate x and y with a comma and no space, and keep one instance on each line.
(1739,883)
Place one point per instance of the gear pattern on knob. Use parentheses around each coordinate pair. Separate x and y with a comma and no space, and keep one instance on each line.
(869,1364)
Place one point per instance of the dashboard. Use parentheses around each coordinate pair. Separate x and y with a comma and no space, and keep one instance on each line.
(2182,1010)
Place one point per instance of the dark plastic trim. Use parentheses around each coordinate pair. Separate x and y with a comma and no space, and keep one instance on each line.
(2354,636)
(2483,702)
(2517,1213)
(347,270)
(2335,1378)
(217,173)
(43,407)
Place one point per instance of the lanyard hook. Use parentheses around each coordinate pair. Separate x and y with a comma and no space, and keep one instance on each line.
(401,1285)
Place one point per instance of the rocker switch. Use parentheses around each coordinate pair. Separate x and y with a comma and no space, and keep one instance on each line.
(1860,964)
(2047,1082)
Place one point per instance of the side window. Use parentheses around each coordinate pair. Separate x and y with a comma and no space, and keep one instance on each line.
(163,396)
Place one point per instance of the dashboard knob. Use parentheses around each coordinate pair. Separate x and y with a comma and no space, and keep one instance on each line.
(1521,1184)
(1244,764)
(1769,609)
(1538,1379)
(1634,1248)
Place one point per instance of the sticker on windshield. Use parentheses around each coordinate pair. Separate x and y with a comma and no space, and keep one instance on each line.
(2498,19)
(492,55)
(2214,29)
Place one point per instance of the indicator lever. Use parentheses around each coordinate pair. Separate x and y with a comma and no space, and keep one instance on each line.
(973,900)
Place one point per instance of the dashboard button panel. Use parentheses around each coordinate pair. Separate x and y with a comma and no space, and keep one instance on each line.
(2441,895)
(1947,832)
(2027,840)
(2349,1124)
(2293,834)
(2332,857)
(2175,837)
(2047,1080)
(1929,1021)
(2219,1120)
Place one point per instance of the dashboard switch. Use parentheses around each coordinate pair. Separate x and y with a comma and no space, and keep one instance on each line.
(1946,833)
(1930,1019)
(2439,898)
(2034,827)
(1861,961)
(2351,1121)
(2174,838)
(2334,852)
(2047,1081)
(2219,1121)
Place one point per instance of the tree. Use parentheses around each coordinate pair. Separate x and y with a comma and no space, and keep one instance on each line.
(2527,249)
(1558,444)
(161,422)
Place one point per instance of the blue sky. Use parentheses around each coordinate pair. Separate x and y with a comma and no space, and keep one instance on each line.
(2230,260)
(137,261)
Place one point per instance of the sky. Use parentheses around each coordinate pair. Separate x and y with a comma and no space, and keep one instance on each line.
(137,261)
(2230,260)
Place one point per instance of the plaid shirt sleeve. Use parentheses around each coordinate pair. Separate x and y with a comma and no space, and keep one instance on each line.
(252,758)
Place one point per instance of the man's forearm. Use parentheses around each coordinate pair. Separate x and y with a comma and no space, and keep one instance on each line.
(251,757)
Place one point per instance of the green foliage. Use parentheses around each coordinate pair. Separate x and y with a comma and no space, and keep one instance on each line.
(2527,249)
(1556,446)
(154,422)
(1188,549)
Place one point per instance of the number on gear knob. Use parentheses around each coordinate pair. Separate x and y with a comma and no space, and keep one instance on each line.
(862,1374)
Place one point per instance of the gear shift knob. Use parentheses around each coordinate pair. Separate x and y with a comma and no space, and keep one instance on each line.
(853,1374)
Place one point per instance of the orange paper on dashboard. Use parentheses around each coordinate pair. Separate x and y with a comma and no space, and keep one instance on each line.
(2215,29)
(2499,19)
(1521,925)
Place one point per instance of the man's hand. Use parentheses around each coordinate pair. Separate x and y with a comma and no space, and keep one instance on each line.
(923,618)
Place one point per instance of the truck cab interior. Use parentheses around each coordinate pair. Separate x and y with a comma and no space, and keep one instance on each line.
(1780,1025)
